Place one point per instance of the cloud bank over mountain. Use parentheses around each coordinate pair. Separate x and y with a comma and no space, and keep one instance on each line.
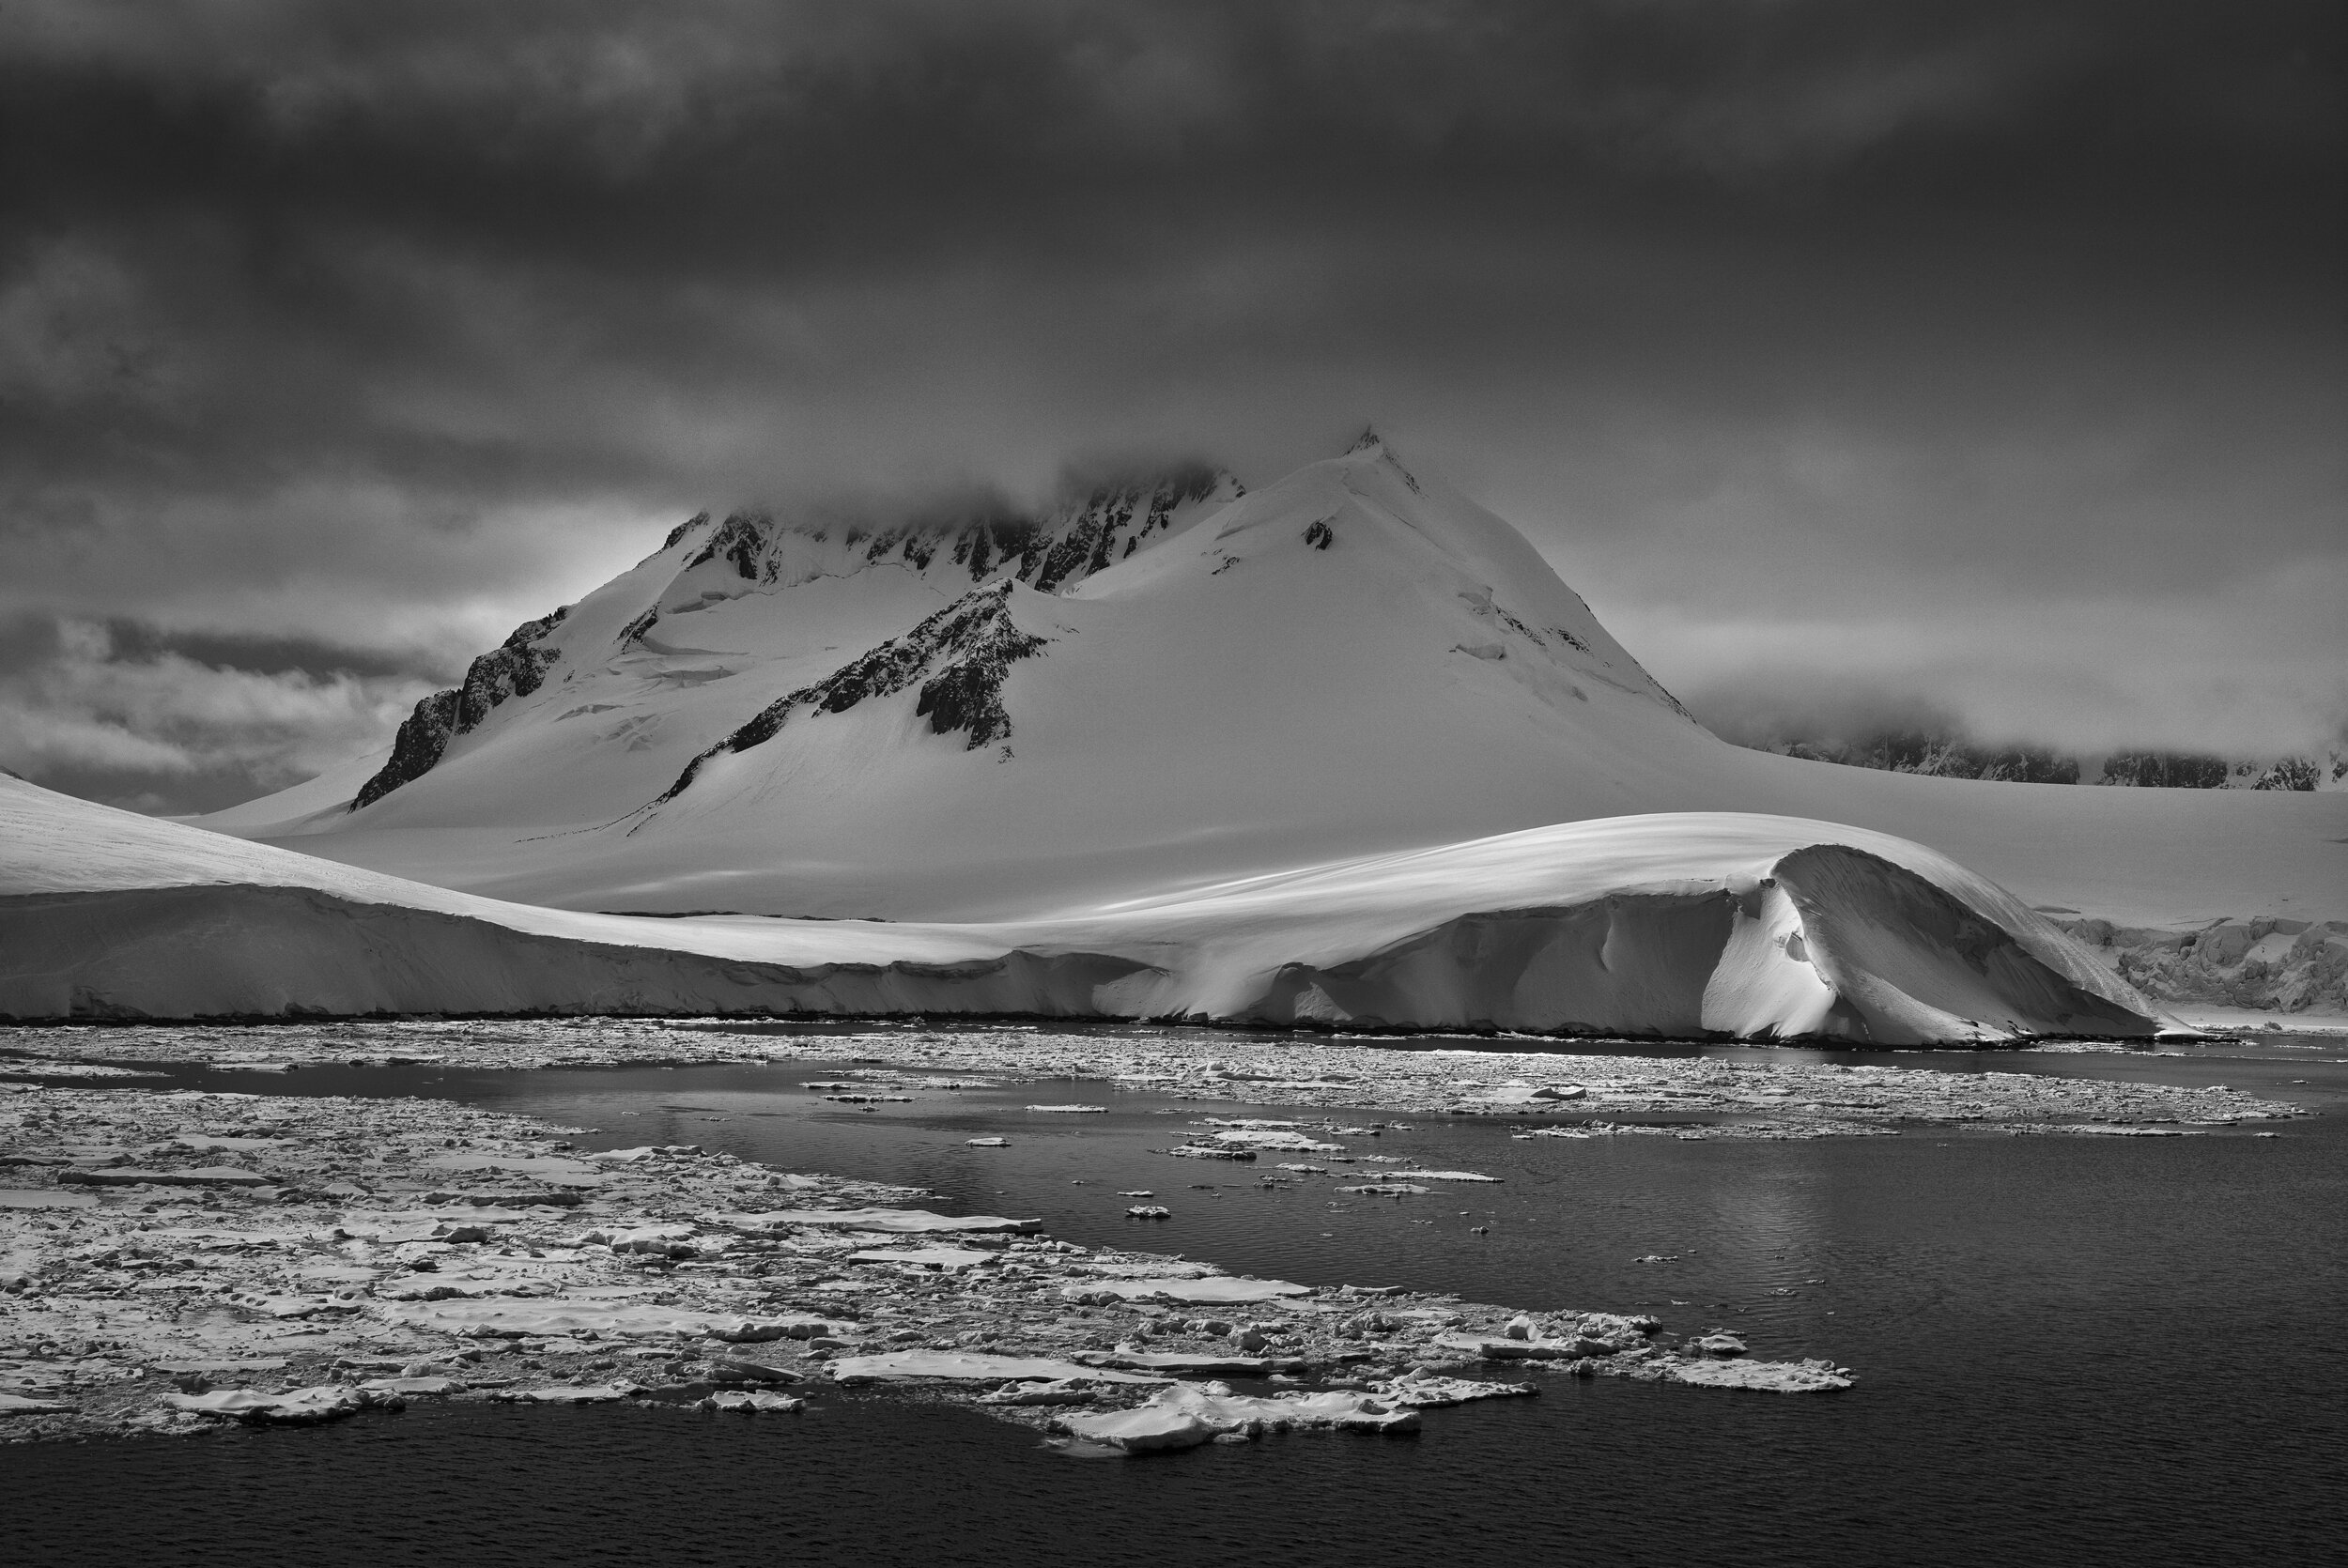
(1992,350)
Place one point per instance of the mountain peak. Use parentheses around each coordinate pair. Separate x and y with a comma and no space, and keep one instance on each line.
(1368,441)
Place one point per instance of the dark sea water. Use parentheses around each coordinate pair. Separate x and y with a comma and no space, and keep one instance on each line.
(2071,1350)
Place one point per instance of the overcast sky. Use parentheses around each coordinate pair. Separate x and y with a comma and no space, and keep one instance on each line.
(1982,361)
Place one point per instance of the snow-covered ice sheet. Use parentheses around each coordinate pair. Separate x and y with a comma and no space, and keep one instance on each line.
(1667,924)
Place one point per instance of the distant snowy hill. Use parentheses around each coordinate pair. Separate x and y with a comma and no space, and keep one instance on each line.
(1945,756)
(1168,683)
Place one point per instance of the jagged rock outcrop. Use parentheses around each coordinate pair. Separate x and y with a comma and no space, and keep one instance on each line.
(2164,770)
(961,656)
(1048,552)
(747,553)
(1939,757)
(514,669)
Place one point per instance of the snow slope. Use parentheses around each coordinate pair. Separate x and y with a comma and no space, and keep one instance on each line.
(1172,683)
(1719,923)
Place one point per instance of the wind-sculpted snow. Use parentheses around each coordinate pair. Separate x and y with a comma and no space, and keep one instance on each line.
(1689,925)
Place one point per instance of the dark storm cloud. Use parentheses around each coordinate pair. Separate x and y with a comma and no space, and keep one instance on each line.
(386,326)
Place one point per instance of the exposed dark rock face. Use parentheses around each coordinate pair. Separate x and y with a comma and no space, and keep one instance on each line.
(1319,535)
(1047,553)
(423,736)
(515,667)
(1941,757)
(739,539)
(2292,773)
(960,657)
(633,630)
(678,532)
(2165,770)
(1932,753)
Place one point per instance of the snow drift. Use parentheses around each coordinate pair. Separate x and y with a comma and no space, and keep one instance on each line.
(1671,925)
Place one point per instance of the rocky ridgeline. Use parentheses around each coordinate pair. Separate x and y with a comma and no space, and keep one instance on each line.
(172,1261)
(1048,551)
(1937,754)
(2284,966)
(960,657)
(517,667)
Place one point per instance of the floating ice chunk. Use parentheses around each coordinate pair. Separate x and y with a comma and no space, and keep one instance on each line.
(666,1240)
(1155,1269)
(507,1317)
(1531,1094)
(988,1142)
(131,1176)
(907,1221)
(1060,1392)
(892,1367)
(566,1394)
(1150,1211)
(2101,1131)
(426,1387)
(1387,1188)
(1074,1109)
(552,1169)
(951,1258)
(1295,1143)
(1188,1414)
(769,1325)
(756,1402)
(1812,1376)
(1220,1287)
(19,1404)
(1423,1391)
(1186,1363)
(1145,1429)
(320,1402)
(1503,1348)
(1720,1341)
(1448,1175)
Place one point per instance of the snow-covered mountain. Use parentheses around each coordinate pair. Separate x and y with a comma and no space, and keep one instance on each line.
(1166,683)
